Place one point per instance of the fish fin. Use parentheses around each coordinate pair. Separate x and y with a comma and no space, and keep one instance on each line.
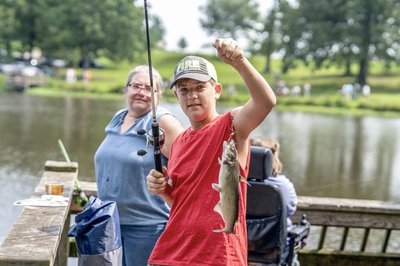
(242,179)
(223,231)
(218,208)
(216,187)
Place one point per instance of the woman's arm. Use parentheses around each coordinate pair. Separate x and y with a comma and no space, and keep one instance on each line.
(172,128)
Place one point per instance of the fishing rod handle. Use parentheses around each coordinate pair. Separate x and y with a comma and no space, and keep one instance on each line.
(155,130)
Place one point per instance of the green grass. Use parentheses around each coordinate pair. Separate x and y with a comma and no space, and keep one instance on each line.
(325,83)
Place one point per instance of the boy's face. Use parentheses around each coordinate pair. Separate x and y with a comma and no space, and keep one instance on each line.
(198,99)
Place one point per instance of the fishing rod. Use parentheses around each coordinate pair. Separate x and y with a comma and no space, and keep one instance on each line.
(81,199)
(155,129)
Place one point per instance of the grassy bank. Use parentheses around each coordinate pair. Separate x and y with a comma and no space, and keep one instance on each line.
(325,85)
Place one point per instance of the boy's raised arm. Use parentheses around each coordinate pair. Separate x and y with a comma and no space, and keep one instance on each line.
(252,114)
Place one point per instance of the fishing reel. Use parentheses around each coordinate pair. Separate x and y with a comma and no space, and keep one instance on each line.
(151,140)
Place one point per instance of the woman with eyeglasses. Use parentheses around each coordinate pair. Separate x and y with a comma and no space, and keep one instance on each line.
(124,159)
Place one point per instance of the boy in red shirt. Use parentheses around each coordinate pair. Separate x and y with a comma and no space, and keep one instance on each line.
(193,164)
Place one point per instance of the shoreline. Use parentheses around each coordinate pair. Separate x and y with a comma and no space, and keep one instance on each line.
(284,106)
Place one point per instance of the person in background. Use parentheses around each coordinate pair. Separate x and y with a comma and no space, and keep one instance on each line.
(194,162)
(366,90)
(278,179)
(121,172)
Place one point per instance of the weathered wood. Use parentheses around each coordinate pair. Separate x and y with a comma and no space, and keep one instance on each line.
(348,205)
(61,166)
(349,213)
(335,258)
(330,211)
(39,236)
(336,212)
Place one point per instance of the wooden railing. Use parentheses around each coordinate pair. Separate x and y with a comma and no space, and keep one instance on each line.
(40,234)
(343,216)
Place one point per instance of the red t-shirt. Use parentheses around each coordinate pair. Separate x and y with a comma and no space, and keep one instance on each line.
(189,238)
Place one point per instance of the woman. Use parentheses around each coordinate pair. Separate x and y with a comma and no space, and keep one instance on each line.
(121,172)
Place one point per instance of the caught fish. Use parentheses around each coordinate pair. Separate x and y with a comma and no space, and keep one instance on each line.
(228,187)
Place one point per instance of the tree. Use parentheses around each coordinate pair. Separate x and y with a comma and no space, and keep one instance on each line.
(339,31)
(182,43)
(77,29)
(292,28)
(233,17)
(19,24)
(268,36)
(157,31)
(113,28)
(7,27)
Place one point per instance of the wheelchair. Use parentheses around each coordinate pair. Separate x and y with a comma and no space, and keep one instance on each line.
(269,242)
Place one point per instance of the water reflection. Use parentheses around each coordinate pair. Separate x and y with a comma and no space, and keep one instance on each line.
(339,156)
(323,155)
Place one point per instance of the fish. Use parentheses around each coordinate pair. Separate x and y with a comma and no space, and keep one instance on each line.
(228,187)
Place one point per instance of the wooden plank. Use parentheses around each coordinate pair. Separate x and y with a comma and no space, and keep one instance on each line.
(354,220)
(328,211)
(38,235)
(334,258)
(349,213)
(61,166)
(348,205)
(336,212)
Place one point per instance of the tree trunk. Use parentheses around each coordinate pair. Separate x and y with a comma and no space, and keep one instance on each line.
(86,65)
(347,72)
(366,41)
(267,68)
(362,74)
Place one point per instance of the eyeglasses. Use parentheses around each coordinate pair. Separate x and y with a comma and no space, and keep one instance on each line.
(138,87)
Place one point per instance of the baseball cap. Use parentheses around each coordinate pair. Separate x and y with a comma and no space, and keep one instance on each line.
(194,67)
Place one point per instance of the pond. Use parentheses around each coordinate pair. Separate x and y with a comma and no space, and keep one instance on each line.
(332,156)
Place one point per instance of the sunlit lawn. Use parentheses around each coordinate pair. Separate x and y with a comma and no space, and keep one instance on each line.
(325,83)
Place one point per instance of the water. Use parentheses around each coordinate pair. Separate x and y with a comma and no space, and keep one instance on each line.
(328,156)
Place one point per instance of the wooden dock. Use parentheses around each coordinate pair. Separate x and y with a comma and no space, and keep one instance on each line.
(39,236)
(343,215)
